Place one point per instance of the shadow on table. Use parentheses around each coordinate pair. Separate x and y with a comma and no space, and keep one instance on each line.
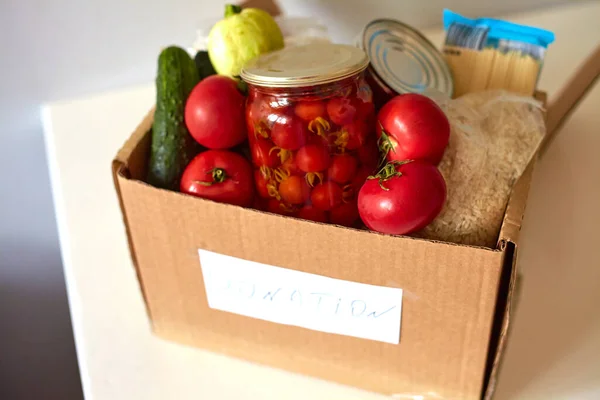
(37,353)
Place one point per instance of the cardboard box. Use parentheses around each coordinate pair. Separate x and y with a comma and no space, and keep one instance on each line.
(455,302)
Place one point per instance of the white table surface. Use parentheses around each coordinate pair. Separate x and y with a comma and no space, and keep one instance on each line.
(554,349)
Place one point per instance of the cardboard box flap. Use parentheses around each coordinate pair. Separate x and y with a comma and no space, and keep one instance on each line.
(131,158)
(501,324)
(567,99)
(513,216)
(508,239)
(557,112)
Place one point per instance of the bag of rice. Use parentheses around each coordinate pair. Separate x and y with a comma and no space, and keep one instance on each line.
(494,136)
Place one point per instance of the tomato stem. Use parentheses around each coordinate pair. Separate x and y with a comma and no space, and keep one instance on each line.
(261,129)
(347,193)
(281,174)
(341,139)
(319,126)
(218,175)
(313,177)
(389,171)
(286,208)
(265,171)
(283,154)
(273,192)
(385,145)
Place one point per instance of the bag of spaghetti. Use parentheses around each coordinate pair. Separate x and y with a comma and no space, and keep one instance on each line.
(494,135)
(486,54)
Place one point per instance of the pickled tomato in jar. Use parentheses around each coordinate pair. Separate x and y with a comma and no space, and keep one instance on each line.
(311,127)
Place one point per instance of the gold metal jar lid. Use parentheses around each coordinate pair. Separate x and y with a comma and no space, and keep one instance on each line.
(307,65)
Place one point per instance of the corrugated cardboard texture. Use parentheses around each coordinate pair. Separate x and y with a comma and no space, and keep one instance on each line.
(449,300)
(515,210)
(500,329)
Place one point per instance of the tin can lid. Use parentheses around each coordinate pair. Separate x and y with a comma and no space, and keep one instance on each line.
(306,65)
(404,59)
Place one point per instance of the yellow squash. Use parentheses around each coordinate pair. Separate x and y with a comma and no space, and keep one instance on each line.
(240,37)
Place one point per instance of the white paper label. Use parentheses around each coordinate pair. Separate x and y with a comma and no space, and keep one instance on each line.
(301,299)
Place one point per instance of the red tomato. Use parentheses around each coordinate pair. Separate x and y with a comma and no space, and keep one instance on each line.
(221,176)
(259,203)
(289,133)
(365,110)
(249,125)
(313,158)
(262,115)
(266,108)
(341,110)
(309,110)
(312,214)
(319,140)
(368,154)
(294,190)
(361,177)
(214,113)
(257,114)
(258,129)
(416,129)
(326,196)
(346,214)
(409,201)
(342,169)
(261,182)
(291,166)
(358,132)
(263,153)
(278,103)
(277,207)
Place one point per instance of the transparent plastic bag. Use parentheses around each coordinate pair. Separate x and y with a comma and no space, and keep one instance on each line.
(301,30)
(296,31)
(494,136)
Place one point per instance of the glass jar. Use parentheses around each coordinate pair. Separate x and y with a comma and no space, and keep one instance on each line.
(311,127)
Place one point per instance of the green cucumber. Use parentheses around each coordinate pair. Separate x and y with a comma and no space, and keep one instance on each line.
(172,145)
(203,64)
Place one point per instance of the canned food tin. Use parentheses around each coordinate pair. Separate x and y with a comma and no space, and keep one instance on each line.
(403,60)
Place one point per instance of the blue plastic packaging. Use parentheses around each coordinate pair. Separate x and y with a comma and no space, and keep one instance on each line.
(488,32)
